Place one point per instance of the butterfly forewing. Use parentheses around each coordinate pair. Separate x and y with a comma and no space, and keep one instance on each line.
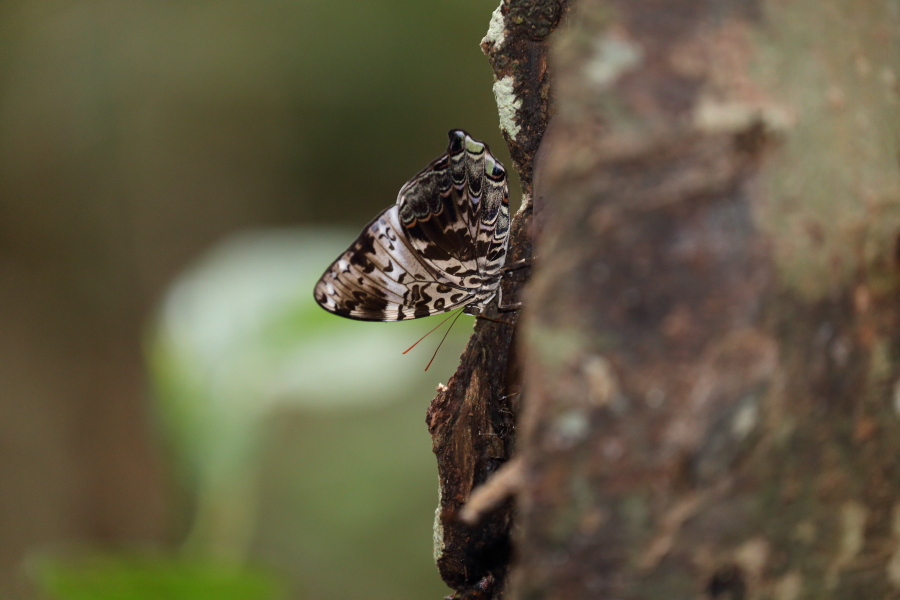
(441,246)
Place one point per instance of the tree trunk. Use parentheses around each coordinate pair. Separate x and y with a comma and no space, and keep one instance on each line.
(472,418)
(711,394)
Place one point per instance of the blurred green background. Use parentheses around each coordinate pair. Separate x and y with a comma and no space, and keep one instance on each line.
(177,417)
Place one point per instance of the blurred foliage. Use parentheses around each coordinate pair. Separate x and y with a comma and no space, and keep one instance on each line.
(128,578)
(133,137)
(354,520)
(244,359)
(150,117)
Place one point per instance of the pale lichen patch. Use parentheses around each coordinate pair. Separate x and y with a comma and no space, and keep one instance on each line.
(612,56)
(438,531)
(896,397)
(713,116)
(507,105)
(601,380)
(570,428)
(752,556)
(496,31)
(525,205)
(745,420)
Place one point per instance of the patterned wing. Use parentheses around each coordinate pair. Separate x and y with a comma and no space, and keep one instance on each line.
(492,239)
(423,255)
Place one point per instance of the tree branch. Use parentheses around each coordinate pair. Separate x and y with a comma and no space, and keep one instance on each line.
(472,420)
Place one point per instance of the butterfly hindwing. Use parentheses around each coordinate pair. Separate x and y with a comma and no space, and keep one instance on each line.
(493,234)
(441,246)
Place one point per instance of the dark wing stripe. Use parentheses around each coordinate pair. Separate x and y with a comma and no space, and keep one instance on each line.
(402,253)
(373,285)
(361,294)
(411,254)
(426,215)
(392,313)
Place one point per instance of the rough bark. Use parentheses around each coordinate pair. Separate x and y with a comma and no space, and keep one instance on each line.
(472,419)
(710,349)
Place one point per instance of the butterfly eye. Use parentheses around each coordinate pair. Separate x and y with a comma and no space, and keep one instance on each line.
(498,170)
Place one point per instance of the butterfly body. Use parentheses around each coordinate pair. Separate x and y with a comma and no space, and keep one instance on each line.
(442,246)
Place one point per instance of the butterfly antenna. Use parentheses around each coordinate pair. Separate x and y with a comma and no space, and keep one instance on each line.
(452,323)
(427,334)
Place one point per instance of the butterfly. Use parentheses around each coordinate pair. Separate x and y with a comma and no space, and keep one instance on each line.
(442,246)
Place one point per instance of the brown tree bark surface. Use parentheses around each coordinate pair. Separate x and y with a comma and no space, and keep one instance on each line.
(711,395)
(472,418)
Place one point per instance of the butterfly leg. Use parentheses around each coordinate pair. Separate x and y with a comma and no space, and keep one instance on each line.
(519,264)
(477,311)
(506,307)
(487,318)
(509,307)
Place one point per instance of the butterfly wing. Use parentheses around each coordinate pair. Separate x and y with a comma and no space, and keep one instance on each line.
(380,278)
(422,256)
(492,239)
(438,214)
